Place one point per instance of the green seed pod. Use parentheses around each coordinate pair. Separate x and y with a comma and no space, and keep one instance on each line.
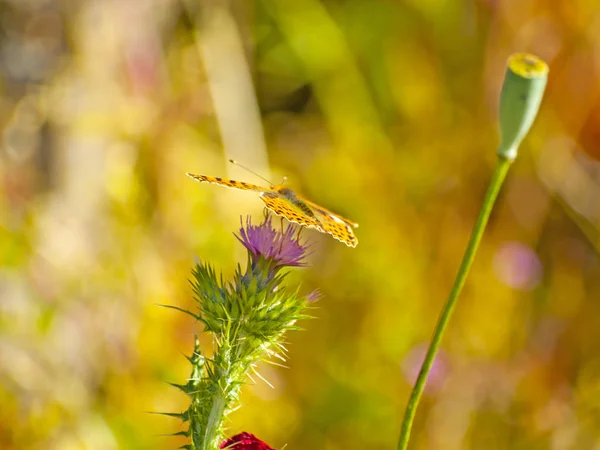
(520,100)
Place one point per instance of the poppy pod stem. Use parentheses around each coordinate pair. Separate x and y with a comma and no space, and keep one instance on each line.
(519,102)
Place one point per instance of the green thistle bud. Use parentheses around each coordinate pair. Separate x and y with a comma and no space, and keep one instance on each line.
(520,100)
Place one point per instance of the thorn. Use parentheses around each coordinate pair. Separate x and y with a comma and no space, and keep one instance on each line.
(262,378)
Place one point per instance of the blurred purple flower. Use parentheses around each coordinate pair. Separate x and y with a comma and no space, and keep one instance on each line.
(412,365)
(314,296)
(518,266)
(280,247)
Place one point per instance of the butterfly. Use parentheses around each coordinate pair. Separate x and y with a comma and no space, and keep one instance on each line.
(284,202)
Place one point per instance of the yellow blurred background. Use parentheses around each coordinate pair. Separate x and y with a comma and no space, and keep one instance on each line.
(383,111)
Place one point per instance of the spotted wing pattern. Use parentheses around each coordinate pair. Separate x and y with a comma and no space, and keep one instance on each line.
(337,226)
(325,212)
(342,233)
(228,183)
(282,207)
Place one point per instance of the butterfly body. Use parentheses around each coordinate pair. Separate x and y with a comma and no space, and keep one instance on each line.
(290,196)
(284,202)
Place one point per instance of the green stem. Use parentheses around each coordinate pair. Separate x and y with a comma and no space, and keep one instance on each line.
(229,370)
(214,421)
(488,203)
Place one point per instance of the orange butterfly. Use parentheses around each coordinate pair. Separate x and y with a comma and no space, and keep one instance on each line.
(284,202)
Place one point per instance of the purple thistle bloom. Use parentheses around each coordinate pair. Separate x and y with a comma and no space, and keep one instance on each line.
(279,247)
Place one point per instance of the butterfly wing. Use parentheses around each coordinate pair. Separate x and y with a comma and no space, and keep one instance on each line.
(284,202)
(337,226)
(227,183)
(338,229)
(325,212)
(304,213)
(282,207)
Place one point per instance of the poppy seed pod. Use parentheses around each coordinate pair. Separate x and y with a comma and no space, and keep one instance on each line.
(522,93)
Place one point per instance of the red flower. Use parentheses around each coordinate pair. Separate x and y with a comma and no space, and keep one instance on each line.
(245,441)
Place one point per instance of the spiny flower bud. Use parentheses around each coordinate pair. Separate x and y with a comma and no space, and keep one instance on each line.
(248,317)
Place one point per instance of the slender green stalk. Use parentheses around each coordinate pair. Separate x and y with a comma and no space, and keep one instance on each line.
(488,203)
(520,99)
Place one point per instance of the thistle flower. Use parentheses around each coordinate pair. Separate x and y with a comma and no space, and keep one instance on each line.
(248,317)
(245,441)
(262,241)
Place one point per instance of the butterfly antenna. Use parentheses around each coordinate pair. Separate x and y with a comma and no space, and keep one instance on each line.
(232,161)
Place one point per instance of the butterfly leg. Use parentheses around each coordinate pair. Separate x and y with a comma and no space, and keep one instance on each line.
(281,244)
(298,235)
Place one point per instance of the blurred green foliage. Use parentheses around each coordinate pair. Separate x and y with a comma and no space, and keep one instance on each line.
(381,110)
